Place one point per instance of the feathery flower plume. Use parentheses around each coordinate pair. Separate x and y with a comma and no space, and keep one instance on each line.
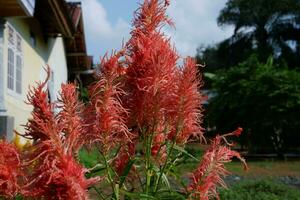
(52,171)
(151,64)
(42,124)
(150,16)
(105,115)
(185,106)
(10,170)
(208,176)
(70,116)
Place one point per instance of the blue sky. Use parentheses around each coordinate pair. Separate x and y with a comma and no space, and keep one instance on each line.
(108,22)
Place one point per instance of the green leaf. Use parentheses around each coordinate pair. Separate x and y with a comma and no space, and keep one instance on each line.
(137,195)
(182,150)
(166,181)
(164,177)
(96,171)
(127,170)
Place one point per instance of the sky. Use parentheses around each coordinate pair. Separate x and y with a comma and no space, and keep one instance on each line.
(107,24)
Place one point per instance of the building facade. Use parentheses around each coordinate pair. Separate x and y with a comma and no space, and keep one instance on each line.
(34,33)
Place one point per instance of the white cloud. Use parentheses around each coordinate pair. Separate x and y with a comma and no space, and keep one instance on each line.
(195,22)
(101,35)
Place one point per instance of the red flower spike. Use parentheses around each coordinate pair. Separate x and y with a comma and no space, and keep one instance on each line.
(42,125)
(158,91)
(112,66)
(70,117)
(105,116)
(52,171)
(151,64)
(185,105)
(208,176)
(150,16)
(10,170)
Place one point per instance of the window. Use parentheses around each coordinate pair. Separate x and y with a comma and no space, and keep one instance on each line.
(14,62)
(10,70)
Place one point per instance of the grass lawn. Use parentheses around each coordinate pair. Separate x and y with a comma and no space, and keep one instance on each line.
(266,168)
(259,190)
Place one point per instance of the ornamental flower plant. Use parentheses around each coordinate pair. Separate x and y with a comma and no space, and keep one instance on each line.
(143,109)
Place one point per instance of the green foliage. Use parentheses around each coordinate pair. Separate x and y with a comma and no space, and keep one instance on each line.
(264,99)
(260,190)
(89,158)
(224,54)
(262,27)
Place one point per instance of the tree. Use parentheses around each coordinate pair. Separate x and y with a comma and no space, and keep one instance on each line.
(262,27)
(272,26)
(264,99)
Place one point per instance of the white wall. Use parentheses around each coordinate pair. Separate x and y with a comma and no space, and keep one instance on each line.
(58,64)
(46,51)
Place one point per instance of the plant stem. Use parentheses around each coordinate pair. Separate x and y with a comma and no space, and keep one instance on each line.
(157,182)
(148,173)
(115,193)
(164,167)
(149,138)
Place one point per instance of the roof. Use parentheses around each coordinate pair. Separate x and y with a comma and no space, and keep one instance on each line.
(77,57)
(54,17)
(16,8)
(57,18)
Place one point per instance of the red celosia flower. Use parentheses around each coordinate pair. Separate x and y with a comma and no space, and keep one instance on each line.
(112,66)
(105,116)
(52,171)
(10,170)
(70,117)
(42,125)
(208,176)
(159,92)
(150,16)
(151,64)
(185,108)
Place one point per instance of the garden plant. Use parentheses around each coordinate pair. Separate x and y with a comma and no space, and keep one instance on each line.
(142,111)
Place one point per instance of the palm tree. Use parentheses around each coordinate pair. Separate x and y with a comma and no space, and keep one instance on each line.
(272,26)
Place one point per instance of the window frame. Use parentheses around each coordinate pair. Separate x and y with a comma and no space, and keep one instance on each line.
(15,44)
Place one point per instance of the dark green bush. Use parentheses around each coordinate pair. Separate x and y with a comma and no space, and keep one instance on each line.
(260,190)
(264,99)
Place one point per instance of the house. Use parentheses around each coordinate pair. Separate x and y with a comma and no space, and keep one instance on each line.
(34,33)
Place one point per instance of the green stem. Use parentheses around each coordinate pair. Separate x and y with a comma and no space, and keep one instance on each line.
(148,164)
(110,179)
(163,168)
(149,139)
(157,182)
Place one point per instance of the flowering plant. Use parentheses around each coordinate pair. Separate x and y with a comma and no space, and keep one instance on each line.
(142,111)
